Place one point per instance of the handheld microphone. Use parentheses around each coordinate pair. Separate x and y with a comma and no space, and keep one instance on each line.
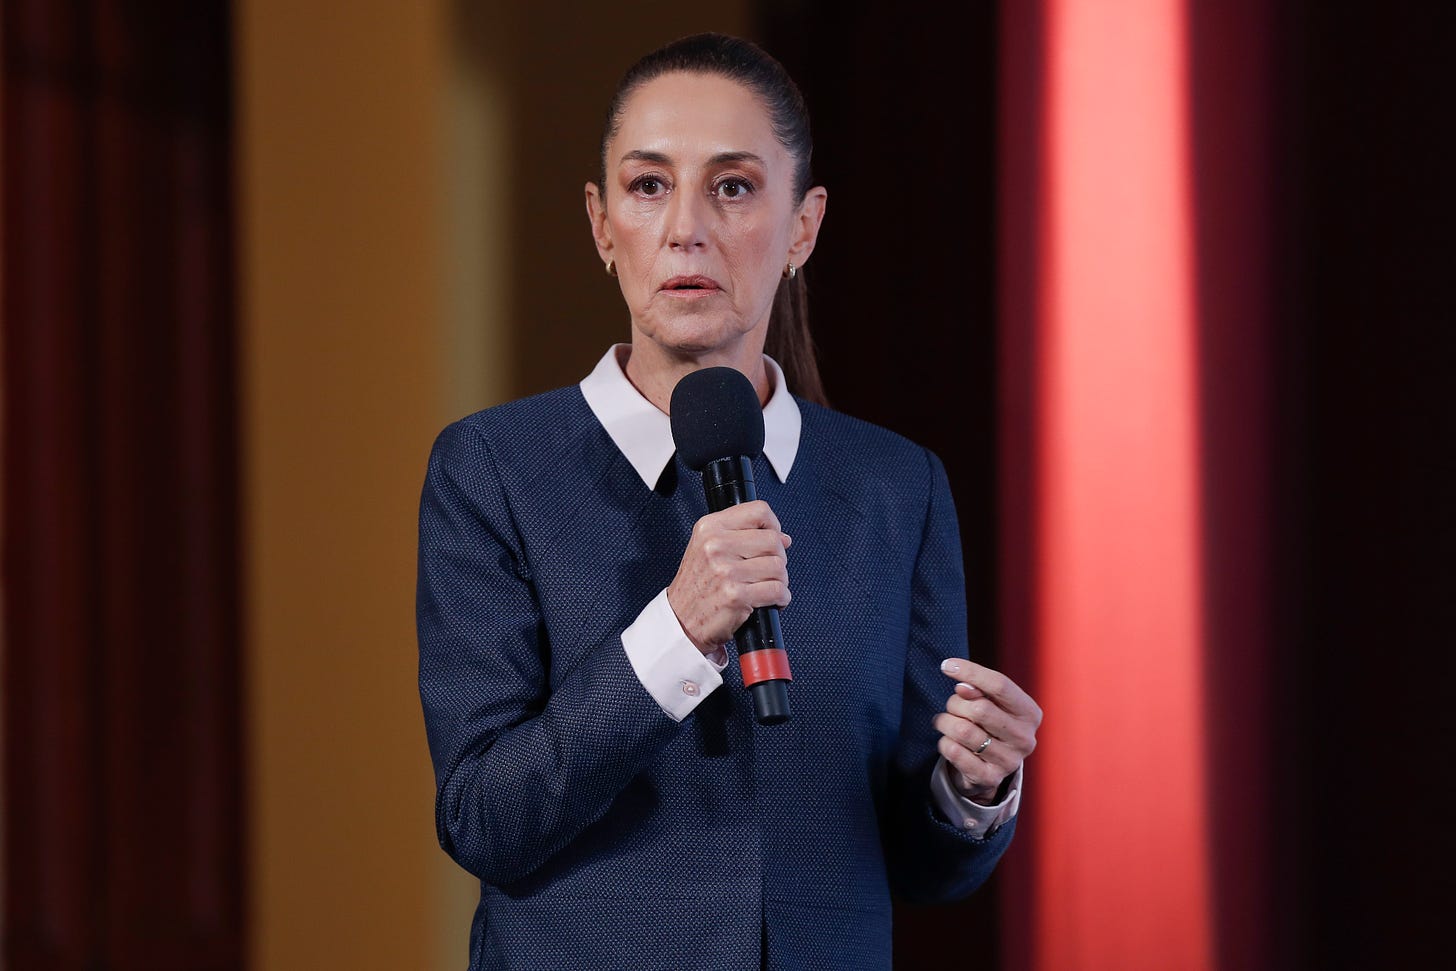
(717,425)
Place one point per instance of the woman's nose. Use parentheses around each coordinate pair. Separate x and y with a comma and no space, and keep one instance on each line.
(687,215)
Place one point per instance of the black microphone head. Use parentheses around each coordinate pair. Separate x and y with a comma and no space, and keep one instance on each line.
(715,415)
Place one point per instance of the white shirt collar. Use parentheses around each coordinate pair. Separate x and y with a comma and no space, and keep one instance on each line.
(644,434)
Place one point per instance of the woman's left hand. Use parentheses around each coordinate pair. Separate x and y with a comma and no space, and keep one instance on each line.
(988,727)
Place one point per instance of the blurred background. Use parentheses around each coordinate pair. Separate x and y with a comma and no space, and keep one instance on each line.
(1166,284)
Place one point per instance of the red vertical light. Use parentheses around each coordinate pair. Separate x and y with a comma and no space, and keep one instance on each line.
(1119,877)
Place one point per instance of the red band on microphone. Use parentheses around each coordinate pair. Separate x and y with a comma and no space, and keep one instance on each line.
(770,664)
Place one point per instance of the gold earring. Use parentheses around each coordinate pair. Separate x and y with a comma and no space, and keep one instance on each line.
(611,267)
(790,271)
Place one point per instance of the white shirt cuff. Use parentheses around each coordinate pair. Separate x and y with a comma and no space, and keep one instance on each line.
(670,667)
(973,817)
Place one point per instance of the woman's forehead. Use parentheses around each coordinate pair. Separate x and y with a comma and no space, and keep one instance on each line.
(693,116)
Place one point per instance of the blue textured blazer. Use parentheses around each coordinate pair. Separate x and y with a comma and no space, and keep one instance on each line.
(607,835)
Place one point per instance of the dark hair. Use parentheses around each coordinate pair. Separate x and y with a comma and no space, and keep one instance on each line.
(788,341)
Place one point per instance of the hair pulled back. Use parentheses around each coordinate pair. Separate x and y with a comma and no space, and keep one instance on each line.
(788,341)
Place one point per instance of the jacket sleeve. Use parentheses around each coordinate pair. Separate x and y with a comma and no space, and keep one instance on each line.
(520,768)
(929,859)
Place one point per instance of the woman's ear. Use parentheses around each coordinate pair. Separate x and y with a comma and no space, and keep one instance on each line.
(596,211)
(806,225)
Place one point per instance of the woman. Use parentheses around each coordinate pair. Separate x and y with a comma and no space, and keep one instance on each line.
(597,761)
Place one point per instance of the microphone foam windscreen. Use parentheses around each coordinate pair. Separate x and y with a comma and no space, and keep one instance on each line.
(715,415)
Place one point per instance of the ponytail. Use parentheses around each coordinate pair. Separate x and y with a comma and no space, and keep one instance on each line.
(790,343)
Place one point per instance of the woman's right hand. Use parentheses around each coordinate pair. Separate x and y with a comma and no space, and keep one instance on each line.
(734,562)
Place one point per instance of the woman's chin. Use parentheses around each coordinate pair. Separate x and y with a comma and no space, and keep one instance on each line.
(694,334)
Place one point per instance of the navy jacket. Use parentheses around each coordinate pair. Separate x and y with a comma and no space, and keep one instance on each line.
(607,835)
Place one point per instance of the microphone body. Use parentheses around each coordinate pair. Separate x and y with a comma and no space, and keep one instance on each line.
(717,426)
(729,482)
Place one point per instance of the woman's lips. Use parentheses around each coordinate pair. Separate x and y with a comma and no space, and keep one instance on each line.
(693,287)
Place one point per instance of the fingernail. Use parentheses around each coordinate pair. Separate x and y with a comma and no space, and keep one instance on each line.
(962,684)
(950,666)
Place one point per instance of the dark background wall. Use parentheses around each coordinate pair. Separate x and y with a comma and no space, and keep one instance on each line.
(1365,453)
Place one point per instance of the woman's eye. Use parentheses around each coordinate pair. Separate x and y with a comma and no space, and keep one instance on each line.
(648,186)
(734,188)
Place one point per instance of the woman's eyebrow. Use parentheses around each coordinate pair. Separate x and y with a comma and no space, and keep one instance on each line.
(730,158)
(641,155)
(658,158)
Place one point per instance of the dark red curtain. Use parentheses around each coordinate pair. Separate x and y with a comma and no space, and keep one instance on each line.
(122,760)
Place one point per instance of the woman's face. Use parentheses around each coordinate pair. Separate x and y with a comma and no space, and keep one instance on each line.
(699,214)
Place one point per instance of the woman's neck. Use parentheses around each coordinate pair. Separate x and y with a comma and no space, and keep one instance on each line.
(654,371)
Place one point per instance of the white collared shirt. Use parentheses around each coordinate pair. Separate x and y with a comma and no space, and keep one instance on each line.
(670,667)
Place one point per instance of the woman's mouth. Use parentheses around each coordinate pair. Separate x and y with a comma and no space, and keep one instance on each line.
(691,287)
